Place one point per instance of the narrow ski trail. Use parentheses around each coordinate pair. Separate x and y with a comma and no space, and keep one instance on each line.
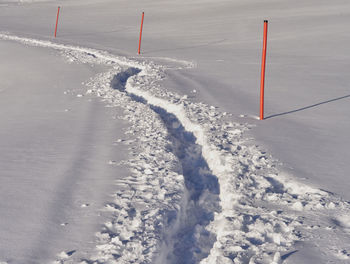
(199,190)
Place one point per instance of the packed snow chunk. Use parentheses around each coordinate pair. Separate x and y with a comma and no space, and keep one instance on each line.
(331,205)
(276,238)
(65,255)
(148,172)
(277,258)
(298,206)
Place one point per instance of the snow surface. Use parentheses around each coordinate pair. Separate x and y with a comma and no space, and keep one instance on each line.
(55,149)
(200,188)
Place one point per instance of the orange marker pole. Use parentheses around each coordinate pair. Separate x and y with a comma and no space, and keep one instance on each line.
(58,13)
(143,15)
(263,64)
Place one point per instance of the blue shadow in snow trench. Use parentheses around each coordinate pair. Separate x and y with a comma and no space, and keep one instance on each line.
(119,80)
(203,187)
(190,245)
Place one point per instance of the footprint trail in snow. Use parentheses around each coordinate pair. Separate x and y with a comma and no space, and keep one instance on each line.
(199,190)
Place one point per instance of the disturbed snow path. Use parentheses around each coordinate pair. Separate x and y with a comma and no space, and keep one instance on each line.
(198,190)
(187,240)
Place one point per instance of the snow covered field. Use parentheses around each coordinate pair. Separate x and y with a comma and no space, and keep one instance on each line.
(176,169)
(54,146)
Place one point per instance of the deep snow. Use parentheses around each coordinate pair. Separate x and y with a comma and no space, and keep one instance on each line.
(263,210)
(55,153)
(307,64)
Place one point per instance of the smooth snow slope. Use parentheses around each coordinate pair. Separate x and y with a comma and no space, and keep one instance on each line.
(307,55)
(55,151)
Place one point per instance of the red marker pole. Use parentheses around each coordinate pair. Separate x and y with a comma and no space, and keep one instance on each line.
(263,65)
(58,13)
(143,15)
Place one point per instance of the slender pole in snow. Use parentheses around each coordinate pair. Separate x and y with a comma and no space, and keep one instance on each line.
(263,64)
(143,15)
(58,13)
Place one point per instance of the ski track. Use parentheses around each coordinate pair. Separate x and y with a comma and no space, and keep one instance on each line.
(199,191)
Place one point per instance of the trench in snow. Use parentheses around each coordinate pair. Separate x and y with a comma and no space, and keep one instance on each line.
(185,239)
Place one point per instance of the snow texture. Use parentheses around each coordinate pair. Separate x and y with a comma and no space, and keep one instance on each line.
(198,191)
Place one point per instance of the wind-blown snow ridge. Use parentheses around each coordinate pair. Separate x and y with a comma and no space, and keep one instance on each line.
(262,212)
